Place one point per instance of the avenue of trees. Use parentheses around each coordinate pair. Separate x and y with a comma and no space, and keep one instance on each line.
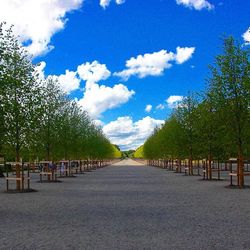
(38,120)
(214,124)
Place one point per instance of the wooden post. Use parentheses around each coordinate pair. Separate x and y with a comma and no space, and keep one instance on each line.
(18,175)
(28,181)
(241,171)
(231,171)
(22,177)
(7,181)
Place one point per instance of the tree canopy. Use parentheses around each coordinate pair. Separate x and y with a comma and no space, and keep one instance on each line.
(38,121)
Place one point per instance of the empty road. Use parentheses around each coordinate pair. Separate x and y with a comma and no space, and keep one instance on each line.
(126,206)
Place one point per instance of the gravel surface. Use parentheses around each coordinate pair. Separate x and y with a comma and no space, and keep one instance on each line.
(130,206)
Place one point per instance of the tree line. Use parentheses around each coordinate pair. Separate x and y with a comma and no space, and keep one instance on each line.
(37,120)
(214,124)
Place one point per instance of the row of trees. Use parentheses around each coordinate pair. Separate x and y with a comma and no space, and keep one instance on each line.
(214,124)
(38,120)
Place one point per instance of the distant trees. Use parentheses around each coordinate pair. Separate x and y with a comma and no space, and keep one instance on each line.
(215,125)
(37,120)
(139,153)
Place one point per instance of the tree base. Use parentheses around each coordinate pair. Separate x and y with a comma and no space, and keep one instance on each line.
(52,181)
(237,187)
(213,179)
(15,191)
(70,176)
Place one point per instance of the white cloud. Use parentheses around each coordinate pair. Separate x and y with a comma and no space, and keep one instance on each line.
(106,3)
(99,98)
(98,123)
(183,54)
(93,72)
(128,134)
(174,100)
(39,70)
(148,108)
(37,21)
(160,106)
(96,98)
(120,1)
(196,4)
(246,36)
(154,64)
(68,82)
(147,65)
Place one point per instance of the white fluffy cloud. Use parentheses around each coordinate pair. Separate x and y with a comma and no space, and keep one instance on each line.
(183,54)
(173,100)
(196,4)
(154,64)
(69,81)
(246,36)
(37,21)
(147,65)
(99,98)
(96,98)
(93,72)
(148,108)
(106,3)
(128,134)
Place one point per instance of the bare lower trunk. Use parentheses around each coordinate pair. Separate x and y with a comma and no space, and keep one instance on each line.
(18,169)
(240,170)
(210,166)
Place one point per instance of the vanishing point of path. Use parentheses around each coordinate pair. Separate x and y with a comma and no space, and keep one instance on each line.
(126,206)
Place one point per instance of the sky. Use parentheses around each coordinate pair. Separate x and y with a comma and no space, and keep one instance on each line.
(127,62)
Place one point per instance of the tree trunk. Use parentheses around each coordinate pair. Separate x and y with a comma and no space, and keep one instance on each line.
(240,170)
(210,166)
(18,168)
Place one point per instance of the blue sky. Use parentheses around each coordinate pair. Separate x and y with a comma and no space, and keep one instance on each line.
(94,39)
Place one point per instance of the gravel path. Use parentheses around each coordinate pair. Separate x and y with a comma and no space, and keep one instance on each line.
(126,207)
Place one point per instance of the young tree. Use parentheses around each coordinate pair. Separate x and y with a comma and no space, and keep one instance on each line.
(230,83)
(186,117)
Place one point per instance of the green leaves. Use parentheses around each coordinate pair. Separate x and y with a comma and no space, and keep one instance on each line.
(37,120)
(215,125)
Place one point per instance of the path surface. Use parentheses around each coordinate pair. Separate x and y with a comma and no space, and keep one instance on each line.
(126,207)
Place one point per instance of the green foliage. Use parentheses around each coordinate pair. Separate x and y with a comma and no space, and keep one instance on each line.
(139,153)
(127,154)
(37,120)
(215,125)
(117,153)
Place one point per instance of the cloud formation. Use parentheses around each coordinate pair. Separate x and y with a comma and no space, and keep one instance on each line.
(171,102)
(246,36)
(148,108)
(96,98)
(93,72)
(155,63)
(37,21)
(196,4)
(174,100)
(183,54)
(68,82)
(106,3)
(128,134)
(100,98)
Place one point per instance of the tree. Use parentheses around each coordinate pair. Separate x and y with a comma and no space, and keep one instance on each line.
(230,81)
(186,117)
